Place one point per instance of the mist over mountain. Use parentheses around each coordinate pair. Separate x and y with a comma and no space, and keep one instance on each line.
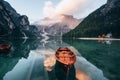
(104,20)
(57,26)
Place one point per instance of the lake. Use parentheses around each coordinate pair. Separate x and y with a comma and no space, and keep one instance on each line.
(33,59)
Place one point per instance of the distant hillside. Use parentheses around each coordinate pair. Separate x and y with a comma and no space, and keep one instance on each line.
(13,24)
(57,26)
(68,20)
(102,21)
(55,29)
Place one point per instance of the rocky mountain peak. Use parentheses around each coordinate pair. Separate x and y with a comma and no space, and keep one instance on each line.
(110,5)
(68,20)
(12,23)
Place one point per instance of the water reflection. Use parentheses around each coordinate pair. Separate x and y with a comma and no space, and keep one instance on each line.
(42,65)
(105,41)
(63,73)
(49,62)
(17,51)
(105,57)
(5,47)
(80,75)
(19,48)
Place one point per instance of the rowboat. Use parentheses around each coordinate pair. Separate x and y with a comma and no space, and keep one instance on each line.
(4,48)
(65,62)
(65,56)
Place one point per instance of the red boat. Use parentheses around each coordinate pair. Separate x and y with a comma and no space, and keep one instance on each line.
(5,47)
(65,56)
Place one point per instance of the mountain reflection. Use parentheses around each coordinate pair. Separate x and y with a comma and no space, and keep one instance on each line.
(33,61)
(103,56)
(19,48)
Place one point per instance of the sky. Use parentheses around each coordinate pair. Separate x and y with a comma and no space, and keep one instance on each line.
(38,9)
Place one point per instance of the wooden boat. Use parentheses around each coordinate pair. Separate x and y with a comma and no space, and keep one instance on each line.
(5,48)
(65,59)
(65,56)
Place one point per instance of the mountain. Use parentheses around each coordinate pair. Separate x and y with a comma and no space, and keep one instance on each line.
(56,29)
(104,20)
(57,26)
(69,20)
(13,24)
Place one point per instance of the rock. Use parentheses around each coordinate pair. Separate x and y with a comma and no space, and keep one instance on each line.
(13,24)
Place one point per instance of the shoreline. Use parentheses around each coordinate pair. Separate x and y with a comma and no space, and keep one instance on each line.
(110,39)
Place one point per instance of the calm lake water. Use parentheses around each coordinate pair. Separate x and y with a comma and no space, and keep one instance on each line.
(34,60)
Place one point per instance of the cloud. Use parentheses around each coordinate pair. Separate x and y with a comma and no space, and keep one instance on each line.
(49,9)
(76,8)
(70,7)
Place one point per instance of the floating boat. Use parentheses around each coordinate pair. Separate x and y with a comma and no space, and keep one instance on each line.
(5,48)
(65,56)
(65,61)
